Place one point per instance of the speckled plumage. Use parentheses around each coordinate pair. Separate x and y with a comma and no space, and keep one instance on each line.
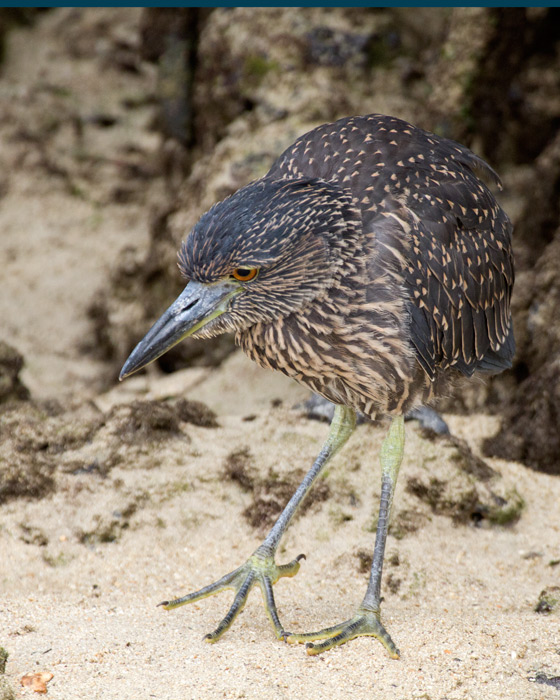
(370,264)
(385,264)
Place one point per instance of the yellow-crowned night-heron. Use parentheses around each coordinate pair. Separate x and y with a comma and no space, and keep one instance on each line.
(370,264)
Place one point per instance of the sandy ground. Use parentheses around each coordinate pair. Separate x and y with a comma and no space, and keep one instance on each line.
(459,600)
(463,615)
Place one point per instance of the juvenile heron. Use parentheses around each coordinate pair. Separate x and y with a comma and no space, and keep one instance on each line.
(370,264)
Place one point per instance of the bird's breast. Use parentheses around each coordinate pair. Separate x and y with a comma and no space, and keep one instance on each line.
(347,354)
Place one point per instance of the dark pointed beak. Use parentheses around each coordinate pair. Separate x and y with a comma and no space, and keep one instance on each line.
(194,308)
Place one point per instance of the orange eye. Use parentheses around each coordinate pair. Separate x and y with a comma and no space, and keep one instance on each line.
(245,274)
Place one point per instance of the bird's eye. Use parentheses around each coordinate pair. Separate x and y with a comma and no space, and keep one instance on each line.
(245,274)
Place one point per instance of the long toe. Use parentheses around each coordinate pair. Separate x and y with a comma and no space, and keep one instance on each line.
(259,569)
(365,623)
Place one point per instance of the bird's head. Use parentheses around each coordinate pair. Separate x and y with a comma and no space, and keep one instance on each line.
(262,253)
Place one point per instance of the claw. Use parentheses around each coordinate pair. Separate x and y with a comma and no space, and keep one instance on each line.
(260,568)
(364,623)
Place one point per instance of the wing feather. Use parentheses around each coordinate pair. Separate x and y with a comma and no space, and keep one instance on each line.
(459,272)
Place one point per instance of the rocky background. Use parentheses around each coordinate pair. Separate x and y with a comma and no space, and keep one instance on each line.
(120,127)
(196,103)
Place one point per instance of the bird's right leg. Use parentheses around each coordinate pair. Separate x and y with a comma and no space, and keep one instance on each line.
(261,568)
(367,620)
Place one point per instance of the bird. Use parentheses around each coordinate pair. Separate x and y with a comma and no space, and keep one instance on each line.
(372,264)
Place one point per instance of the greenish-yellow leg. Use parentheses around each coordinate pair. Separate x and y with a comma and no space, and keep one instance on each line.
(366,621)
(261,568)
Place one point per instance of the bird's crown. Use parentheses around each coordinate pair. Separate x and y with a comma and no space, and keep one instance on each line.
(261,224)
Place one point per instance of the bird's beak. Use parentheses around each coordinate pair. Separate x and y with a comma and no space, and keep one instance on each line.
(196,306)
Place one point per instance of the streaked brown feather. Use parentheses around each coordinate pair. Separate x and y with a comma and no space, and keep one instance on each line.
(453,223)
(385,261)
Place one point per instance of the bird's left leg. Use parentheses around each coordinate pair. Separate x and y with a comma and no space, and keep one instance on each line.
(261,568)
(367,620)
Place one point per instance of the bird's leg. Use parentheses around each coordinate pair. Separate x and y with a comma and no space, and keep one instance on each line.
(261,568)
(366,621)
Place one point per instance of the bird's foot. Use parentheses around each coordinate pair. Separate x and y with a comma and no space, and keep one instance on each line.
(365,622)
(259,569)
